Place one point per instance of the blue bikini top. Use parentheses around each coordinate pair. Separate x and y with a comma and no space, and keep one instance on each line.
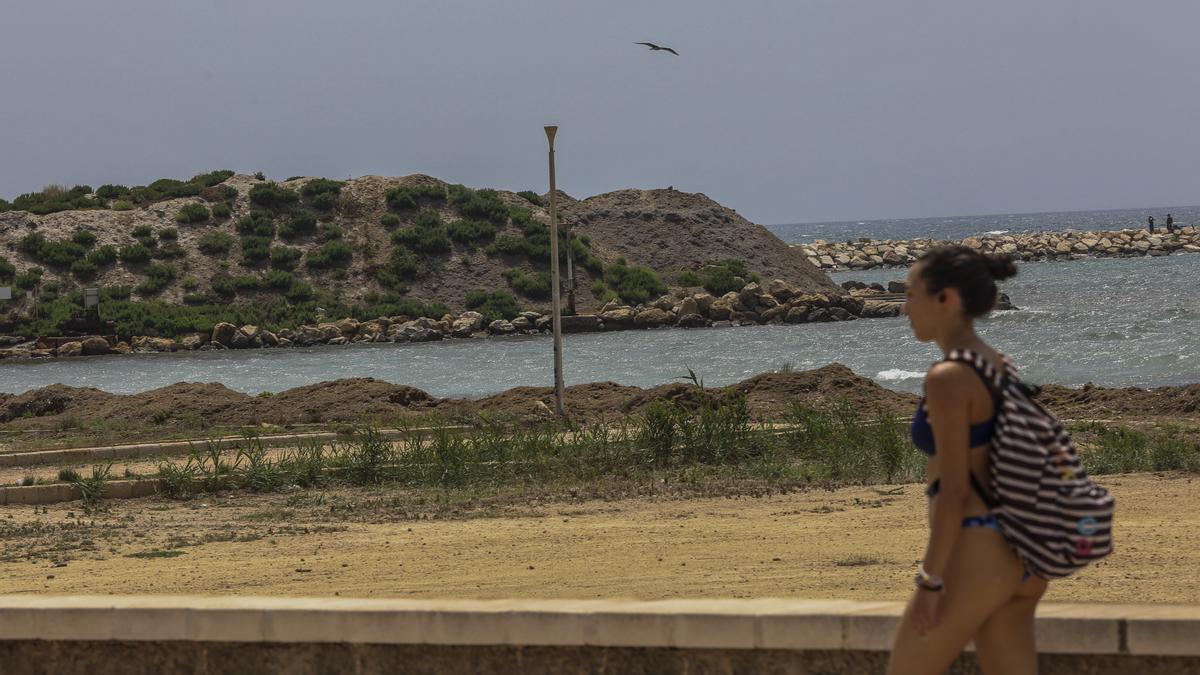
(922,433)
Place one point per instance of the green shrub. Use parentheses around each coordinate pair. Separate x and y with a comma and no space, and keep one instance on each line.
(246,283)
(427,236)
(531,197)
(402,266)
(278,279)
(215,242)
(471,231)
(493,305)
(158,277)
(212,178)
(230,193)
(255,250)
(84,270)
(222,285)
(689,278)
(285,257)
(407,198)
(85,238)
(723,277)
(103,256)
(329,232)
(112,192)
(336,253)
(300,291)
(192,213)
(170,250)
(258,224)
(478,204)
(390,220)
(273,196)
(7,270)
(633,284)
(325,201)
(190,283)
(122,205)
(31,243)
(221,211)
(29,278)
(168,234)
(531,286)
(142,231)
(5,205)
(507,244)
(300,223)
(134,253)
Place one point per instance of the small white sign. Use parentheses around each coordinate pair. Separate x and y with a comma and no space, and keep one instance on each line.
(91,298)
(5,292)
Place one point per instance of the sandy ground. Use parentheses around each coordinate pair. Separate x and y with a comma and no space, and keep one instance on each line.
(859,543)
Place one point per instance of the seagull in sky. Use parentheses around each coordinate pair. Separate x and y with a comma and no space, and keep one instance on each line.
(655,48)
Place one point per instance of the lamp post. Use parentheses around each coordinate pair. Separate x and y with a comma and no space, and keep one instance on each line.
(555,286)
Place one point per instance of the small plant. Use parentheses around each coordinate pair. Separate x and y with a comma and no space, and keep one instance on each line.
(168,234)
(134,253)
(92,487)
(222,211)
(85,238)
(122,205)
(215,242)
(192,213)
(531,197)
(390,220)
(493,305)
(273,196)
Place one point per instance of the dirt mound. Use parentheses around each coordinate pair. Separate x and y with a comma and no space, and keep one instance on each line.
(768,395)
(669,231)
(342,400)
(55,399)
(1091,401)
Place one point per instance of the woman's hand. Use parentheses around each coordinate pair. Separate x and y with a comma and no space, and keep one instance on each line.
(924,610)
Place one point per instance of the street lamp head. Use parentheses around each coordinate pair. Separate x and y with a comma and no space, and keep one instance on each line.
(550,131)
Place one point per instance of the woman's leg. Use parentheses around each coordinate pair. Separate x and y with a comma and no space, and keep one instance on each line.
(1004,644)
(983,576)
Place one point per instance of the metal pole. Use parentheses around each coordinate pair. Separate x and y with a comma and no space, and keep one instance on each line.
(555,287)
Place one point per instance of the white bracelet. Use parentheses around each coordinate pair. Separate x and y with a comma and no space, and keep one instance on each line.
(927,581)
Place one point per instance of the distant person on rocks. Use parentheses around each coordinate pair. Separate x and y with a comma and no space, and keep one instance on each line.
(970,584)
(1150,220)
(1170,224)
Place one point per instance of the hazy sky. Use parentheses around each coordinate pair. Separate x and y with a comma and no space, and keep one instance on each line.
(799,110)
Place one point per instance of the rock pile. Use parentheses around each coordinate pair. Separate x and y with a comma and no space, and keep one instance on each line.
(1069,245)
(777,303)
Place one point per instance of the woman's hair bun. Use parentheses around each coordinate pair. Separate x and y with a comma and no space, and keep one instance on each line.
(1000,266)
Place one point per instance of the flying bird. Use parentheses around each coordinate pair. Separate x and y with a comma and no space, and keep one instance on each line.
(655,48)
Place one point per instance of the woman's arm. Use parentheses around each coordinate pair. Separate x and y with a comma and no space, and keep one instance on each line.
(946,402)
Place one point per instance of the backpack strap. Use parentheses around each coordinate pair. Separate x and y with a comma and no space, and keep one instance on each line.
(994,381)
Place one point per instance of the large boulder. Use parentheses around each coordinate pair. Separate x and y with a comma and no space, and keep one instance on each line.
(522,323)
(328,331)
(580,323)
(250,331)
(413,331)
(781,290)
(653,318)
(305,336)
(721,308)
(268,339)
(501,327)
(664,303)
(621,315)
(70,349)
(223,333)
(193,341)
(95,346)
(704,301)
(687,306)
(796,314)
(691,321)
(466,324)
(348,327)
(775,314)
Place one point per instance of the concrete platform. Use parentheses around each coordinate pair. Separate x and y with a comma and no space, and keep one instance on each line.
(153,634)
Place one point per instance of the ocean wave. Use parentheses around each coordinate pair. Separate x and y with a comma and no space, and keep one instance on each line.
(895,375)
(998,232)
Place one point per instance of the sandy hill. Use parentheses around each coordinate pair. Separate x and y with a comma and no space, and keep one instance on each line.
(666,230)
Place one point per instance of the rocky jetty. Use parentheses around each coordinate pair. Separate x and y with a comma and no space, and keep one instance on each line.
(775,303)
(1069,245)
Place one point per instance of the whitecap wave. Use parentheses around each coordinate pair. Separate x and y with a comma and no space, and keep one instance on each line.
(998,232)
(895,375)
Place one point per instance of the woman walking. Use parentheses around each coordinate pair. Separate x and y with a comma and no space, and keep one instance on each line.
(970,584)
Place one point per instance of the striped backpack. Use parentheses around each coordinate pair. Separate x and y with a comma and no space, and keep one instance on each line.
(1056,519)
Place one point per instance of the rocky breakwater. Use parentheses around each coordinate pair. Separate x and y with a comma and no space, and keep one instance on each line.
(776,303)
(1069,245)
(881,301)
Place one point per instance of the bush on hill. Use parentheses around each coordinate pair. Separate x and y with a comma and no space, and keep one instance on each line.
(215,242)
(493,305)
(192,213)
(273,196)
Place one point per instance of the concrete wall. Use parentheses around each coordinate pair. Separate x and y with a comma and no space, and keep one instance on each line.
(164,634)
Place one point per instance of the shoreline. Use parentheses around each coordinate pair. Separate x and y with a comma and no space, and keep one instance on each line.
(775,303)
(865,254)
